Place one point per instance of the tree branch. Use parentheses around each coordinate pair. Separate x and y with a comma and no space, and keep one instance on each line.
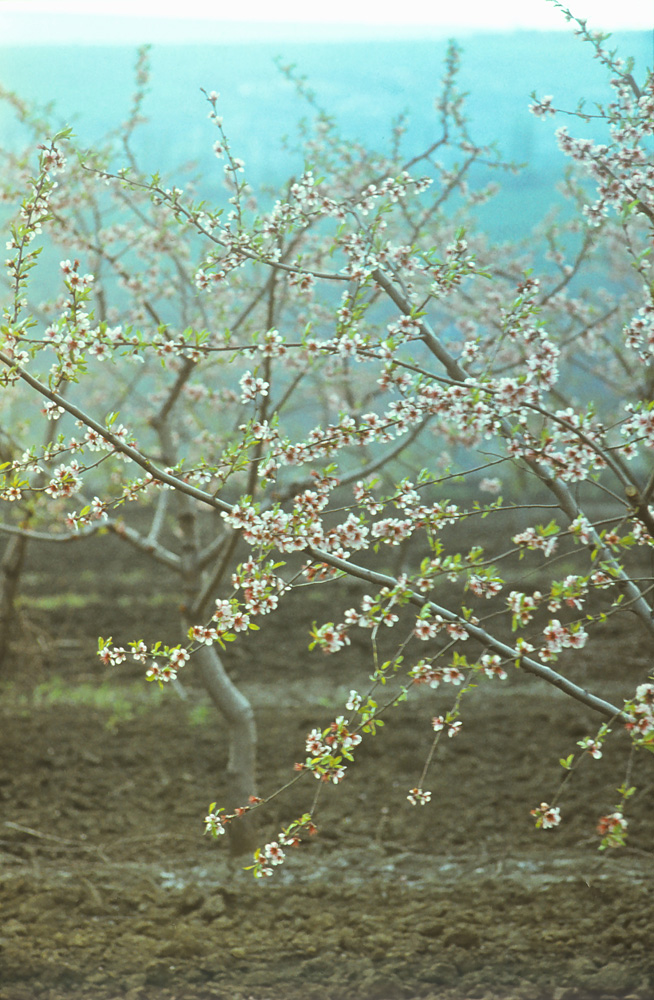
(600,705)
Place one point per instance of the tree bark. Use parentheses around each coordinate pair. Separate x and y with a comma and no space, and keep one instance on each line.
(10,570)
(242,734)
(230,702)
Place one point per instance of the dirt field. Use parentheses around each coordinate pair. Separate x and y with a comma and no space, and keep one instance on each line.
(108,889)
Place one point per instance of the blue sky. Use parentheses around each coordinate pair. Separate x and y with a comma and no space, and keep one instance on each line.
(160,20)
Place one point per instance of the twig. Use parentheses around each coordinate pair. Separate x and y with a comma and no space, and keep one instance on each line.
(75,844)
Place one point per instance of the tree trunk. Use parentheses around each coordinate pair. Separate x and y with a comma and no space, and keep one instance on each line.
(10,570)
(230,702)
(241,766)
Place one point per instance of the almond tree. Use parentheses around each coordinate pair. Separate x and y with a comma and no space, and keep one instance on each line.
(141,254)
(304,351)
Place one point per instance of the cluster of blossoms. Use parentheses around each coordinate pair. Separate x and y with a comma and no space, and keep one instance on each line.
(538,538)
(307,201)
(309,198)
(547,816)
(272,854)
(227,618)
(372,612)
(53,160)
(543,108)
(559,637)
(424,672)
(620,172)
(621,169)
(484,586)
(591,747)
(260,585)
(427,628)
(638,427)
(612,829)
(177,658)
(174,658)
(439,723)
(639,336)
(34,212)
(492,664)
(287,532)
(66,481)
(252,386)
(327,749)
(457,265)
(261,590)
(523,606)
(330,637)
(571,592)
(214,822)
(217,820)
(96,510)
(568,455)
(419,797)
(640,713)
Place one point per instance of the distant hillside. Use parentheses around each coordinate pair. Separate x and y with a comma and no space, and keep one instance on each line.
(364,86)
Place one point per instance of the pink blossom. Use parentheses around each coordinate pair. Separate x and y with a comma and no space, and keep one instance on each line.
(592,747)
(611,825)
(492,665)
(418,797)
(581,529)
(314,743)
(427,628)
(252,386)
(457,630)
(424,673)
(214,824)
(273,853)
(547,816)
(452,675)
(354,702)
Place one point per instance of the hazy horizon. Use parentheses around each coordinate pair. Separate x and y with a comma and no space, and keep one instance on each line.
(366,87)
(129,22)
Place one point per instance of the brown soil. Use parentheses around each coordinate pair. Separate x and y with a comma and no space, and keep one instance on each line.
(108,888)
